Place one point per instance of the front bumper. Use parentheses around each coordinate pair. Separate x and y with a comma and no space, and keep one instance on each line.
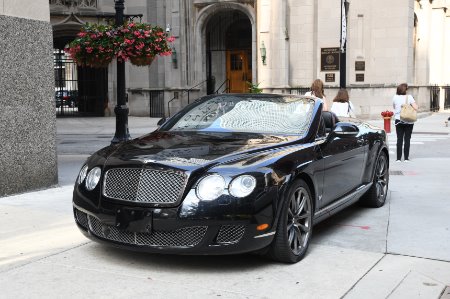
(174,230)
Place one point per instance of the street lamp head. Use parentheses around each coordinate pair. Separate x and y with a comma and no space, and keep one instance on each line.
(263,53)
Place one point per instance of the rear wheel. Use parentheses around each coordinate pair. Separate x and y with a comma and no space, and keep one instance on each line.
(376,195)
(294,225)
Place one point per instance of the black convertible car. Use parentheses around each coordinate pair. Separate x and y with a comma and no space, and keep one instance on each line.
(230,174)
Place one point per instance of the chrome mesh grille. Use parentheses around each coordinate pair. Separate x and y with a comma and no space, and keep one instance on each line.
(144,185)
(183,237)
(230,234)
(81,218)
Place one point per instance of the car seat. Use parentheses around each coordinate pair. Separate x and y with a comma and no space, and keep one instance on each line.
(330,120)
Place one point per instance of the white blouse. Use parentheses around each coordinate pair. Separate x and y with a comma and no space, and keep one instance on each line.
(342,109)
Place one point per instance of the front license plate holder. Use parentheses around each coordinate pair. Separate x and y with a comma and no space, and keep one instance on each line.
(134,220)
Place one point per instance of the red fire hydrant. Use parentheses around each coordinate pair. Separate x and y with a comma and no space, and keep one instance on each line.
(387,124)
(387,115)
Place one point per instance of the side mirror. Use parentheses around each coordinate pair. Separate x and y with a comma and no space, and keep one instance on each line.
(161,121)
(343,130)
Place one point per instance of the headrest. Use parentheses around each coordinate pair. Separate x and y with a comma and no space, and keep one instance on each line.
(330,120)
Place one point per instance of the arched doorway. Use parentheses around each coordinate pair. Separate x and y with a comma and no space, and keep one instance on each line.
(79,91)
(229,53)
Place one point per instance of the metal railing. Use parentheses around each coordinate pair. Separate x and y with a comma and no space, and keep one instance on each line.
(226,89)
(184,91)
(299,90)
(446,97)
(156,98)
(434,98)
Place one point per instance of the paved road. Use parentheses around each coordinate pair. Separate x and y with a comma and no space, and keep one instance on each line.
(401,250)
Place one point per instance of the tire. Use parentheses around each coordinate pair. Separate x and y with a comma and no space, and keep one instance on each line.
(375,197)
(294,227)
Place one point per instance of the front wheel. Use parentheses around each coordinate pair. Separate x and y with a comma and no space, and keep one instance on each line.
(294,225)
(376,195)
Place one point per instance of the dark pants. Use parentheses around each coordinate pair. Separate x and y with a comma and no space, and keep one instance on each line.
(404,131)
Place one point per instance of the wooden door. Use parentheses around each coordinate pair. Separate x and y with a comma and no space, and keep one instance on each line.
(239,70)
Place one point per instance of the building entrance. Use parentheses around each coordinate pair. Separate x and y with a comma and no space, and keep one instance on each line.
(79,91)
(229,52)
(239,70)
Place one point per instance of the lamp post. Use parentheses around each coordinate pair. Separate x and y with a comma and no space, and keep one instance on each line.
(121,109)
(343,49)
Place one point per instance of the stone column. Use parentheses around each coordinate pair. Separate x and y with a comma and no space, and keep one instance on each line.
(272,31)
(27,98)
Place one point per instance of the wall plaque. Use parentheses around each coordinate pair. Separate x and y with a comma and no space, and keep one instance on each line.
(360,65)
(359,77)
(329,59)
(329,77)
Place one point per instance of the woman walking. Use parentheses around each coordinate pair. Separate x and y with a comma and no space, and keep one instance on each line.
(341,104)
(403,129)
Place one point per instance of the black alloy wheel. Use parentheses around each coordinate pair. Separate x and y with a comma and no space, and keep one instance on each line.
(376,195)
(294,228)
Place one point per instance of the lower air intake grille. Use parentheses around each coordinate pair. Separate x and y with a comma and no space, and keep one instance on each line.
(81,218)
(183,237)
(230,234)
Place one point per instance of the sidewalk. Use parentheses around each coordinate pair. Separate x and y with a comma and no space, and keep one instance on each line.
(402,252)
(426,123)
(104,125)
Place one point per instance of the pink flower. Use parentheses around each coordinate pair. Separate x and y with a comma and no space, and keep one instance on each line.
(140,45)
(171,39)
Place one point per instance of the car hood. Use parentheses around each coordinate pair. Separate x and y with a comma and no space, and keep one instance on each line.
(190,151)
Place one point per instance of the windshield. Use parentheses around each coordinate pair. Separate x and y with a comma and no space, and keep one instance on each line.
(266,115)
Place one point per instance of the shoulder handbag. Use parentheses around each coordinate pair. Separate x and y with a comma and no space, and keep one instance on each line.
(408,113)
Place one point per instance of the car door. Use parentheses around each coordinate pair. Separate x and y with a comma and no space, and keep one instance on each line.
(343,157)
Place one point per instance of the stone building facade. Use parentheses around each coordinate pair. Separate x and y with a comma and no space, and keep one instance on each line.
(283,45)
(27,113)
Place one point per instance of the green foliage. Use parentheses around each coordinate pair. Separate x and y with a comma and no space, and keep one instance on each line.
(254,88)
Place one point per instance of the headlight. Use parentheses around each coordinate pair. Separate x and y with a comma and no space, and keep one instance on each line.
(242,186)
(210,187)
(92,178)
(82,174)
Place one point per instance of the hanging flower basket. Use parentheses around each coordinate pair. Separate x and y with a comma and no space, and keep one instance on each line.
(141,42)
(97,45)
(142,61)
(93,46)
(96,62)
